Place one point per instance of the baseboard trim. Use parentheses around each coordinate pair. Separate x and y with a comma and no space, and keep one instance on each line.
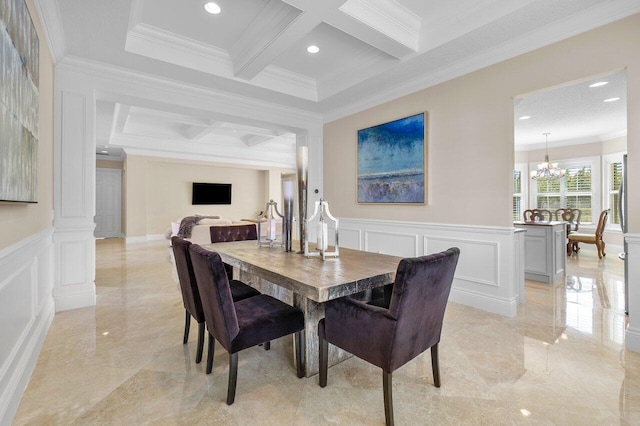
(507,308)
(76,300)
(144,239)
(632,339)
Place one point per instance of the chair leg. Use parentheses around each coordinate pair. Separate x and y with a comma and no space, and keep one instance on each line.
(388,397)
(212,345)
(435,365)
(233,378)
(200,342)
(300,361)
(323,362)
(266,346)
(187,325)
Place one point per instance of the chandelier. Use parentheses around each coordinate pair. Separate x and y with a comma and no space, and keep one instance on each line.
(547,170)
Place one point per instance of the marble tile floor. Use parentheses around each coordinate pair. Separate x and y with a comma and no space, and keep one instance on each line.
(561,360)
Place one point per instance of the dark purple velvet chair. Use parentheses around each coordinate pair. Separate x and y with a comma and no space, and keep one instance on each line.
(239,325)
(191,296)
(389,333)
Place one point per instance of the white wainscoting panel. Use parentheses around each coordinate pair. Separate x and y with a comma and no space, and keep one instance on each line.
(405,245)
(490,272)
(26,311)
(75,268)
(350,238)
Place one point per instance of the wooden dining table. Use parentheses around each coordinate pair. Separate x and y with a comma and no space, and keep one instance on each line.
(307,282)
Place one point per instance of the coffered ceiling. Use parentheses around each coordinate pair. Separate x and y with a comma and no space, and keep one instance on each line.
(370,51)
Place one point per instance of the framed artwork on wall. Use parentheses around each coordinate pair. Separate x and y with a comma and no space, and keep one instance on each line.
(392,162)
(19,94)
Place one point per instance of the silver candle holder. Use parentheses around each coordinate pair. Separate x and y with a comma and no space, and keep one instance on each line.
(288,194)
(269,218)
(321,210)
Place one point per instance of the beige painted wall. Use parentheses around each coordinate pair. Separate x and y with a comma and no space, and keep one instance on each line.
(158,191)
(17,220)
(471,146)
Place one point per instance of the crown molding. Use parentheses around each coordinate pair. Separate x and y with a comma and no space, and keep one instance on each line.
(293,119)
(156,43)
(49,14)
(573,25)
(389,18)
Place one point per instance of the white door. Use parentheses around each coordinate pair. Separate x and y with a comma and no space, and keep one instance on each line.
(108,203)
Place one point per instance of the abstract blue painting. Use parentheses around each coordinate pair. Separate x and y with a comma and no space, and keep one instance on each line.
(391,162)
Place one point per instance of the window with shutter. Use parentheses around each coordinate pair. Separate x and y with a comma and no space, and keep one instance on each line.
(575,190)
(517,195)
(613,164)
(519,190)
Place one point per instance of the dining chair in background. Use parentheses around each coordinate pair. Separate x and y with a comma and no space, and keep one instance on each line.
(392,335)
(191,295)
(572,218)
(595,238)
(537,215)
(239,325)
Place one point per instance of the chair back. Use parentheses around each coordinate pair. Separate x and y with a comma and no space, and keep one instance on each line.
(537,215)
(602,222)
(418,301)
(217,302)
(225,234)
(571,216)
(187,279)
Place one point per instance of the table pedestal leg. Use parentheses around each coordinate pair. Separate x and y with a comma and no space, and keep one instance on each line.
(313,312)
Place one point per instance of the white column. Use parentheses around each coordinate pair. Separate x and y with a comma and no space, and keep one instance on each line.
(74,194)
(632,336)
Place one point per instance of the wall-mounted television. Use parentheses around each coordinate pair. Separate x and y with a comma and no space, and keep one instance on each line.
(210,193)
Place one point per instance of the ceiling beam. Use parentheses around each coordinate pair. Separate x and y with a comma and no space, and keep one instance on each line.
(120,118)
(197,132)
(253,140)
(385,25)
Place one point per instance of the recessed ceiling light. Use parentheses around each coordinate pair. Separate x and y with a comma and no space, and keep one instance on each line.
(525,117)
(599,84)
(212,8)
(611,100)
(313,49)
(104,151)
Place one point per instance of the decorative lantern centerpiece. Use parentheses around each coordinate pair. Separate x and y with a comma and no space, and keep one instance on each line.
(322,240)
(268,218)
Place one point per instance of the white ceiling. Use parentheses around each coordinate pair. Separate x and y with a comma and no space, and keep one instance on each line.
(370,51)
(573,114)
